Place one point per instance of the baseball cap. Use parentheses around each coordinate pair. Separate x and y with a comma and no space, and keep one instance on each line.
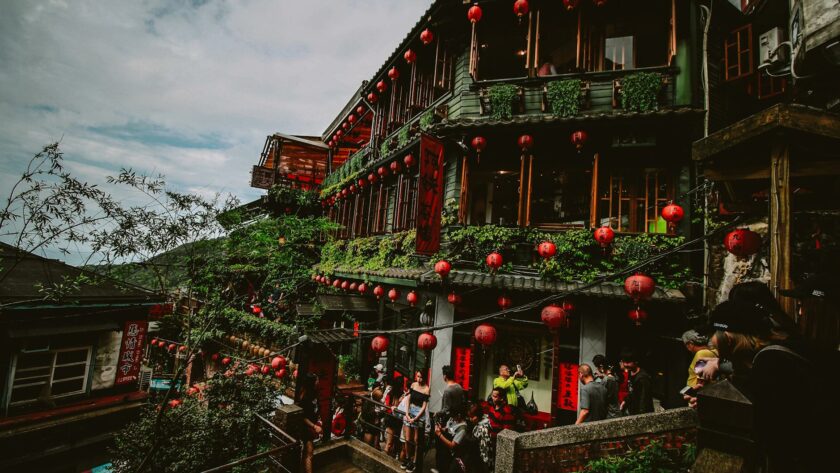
(740,317)
(379,367)
(816,286)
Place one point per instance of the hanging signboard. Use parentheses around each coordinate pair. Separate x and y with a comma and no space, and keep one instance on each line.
(429,195)
(463,357)
(567,382)
(131,351)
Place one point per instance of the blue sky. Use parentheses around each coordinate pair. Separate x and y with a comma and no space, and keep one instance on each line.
(188,89)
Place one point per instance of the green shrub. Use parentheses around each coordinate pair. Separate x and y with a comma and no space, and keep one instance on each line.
(502,98)
(654,458)
(639,91)
(564,97)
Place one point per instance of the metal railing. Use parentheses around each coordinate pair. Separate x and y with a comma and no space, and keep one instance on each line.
(283,446)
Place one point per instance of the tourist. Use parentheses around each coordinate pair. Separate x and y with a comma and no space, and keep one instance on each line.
(452,400)
(511,385)
(376,377)
(370,419)
(308,401)
(547,67)
(604,374)
(418,401)
(698,345)
(639,399)
(481,432)
(391,416)
(459,443)
(499,413)
(592,402)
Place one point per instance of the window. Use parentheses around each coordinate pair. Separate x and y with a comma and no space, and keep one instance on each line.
(49,374)
(738,60)
(770,86)
(632,201)
(360,215)
(379,208)
(556,33)
(560,194)
(406,208)
(502,43)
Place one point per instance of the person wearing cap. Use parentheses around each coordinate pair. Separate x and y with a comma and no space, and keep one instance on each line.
(790,398)
(640,398)
(698,345)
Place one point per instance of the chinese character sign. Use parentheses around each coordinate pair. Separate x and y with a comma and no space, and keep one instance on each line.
(430,195)
(567,393)
(131,351)
(463,357)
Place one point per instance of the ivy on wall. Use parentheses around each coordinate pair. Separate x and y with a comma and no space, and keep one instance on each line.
(639,91)
(371,253)
(564,97)
(502,98)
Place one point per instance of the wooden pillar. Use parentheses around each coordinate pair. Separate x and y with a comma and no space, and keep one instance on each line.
(780,221)
(555,380)
(520,211)
(593,204)
(465,185)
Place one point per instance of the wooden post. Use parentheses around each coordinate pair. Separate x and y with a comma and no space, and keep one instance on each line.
(528,200)
(465,185)
(555,379)
(780,221)
(593,204)
(520,217)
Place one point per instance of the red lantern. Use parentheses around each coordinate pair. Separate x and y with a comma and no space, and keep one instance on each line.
(337,283)
(174,403)
(345,126)
(637,315)
(192,391)
(742,242)
(214,357)
(281,373)
(171,347)
(256,309)
(154,341)
(525,143)
(382,171)
(479,143)
(394,73)
(352,188)
(426,36)
(161,344)
(443,268)
(474,14)
(352,287)
(579,139)
(372,178)
(278,362)
(379,344)
(362,183)
(494,261)
(454,298)
(485,334)
(568,307)
(338,133)
(182,348)
(371,98)
(226,360)
(426,341)
(553,316)
(345,285)
(395,167)
(570,4)
(250,371)
(344,192)
(378,291)
(672,213)
(604,235)
(393,294)
(362,288)
(408,160)
(547,249)
(639,286)
(351,118)
(265,369)
(520,8)
(410,56)
(411,297)
(381,86)
(504,302)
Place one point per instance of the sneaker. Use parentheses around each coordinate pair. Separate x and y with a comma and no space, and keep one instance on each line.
(410,467)
(403,464)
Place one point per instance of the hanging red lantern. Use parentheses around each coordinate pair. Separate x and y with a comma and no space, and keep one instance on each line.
(345,126)
(568,307)
(478,144)
(161,344)
(351,118)
(672,213)
(485,334)
(411,297)
(214,357)
(579,138)
(639,286)
(604,235)
(521,8)
(171,347)
(442,268)
(393,294)
(379,344)
(352,287)
(372,178)
(338,133)
(352,188)
(362,183)
(395,167)
(360,110)
(226,361)
(570,4)
(250,371)
(504,302)
(182,348)
(742,242)
(408,160)
(278,362)
(474,14)
(547,249)
(394,73)
(426,341)
(454,298)
(281,373)
(362,288)
(382,171)
(381,86)
(256,309)
(344,192)
(637,315)
(553,316)
(372,97)
(378,291)
(525,143)
(265,369)
(337,283)
(410,56)
(345,285)
(494,261)
(154,341)
(426,36)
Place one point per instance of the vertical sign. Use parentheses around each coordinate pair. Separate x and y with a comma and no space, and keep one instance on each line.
(131,351)
(462,366)
(430,195)
(567,394)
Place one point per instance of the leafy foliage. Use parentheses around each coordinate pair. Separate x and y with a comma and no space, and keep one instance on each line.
(564,97)
(654,458)
(502,98)
(427,119)
(372,253)
(281,198)
(639,91)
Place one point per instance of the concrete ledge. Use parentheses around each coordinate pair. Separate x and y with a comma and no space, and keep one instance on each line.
(356,452)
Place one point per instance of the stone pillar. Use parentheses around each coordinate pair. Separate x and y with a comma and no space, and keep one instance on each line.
(442,354)
(506,451)
(593,335)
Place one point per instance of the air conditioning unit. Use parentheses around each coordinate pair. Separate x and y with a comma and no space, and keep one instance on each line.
(145,378)
(769,52)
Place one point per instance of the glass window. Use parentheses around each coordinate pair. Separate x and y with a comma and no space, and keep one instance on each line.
(621,35)
(502,43)
(632,201)
(738,53)
(49,374)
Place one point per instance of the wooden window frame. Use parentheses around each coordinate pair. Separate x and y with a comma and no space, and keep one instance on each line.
(652,204)
(739,50)
(52,381)
(405,210)
(773,81)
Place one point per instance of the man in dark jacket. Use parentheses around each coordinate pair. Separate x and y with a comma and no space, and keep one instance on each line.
(640,398)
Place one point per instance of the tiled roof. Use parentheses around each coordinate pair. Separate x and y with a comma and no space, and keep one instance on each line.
(396,273)
(334,335)
(549,119)
(537,284)
(347,302)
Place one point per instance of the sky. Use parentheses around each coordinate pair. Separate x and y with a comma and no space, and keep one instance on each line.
(184,88)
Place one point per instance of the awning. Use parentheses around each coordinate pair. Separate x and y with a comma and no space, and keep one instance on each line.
(348,303)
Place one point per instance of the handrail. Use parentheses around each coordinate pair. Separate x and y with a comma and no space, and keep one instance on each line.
(249,459)
(592,75)
(289,443)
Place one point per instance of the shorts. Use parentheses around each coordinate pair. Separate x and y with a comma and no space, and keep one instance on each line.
(413,411)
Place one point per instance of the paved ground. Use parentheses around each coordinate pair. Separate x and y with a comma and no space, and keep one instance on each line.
(341,466)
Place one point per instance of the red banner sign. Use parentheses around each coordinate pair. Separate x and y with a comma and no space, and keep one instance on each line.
(567,383)
(131,351)
(430,195)
(463,357)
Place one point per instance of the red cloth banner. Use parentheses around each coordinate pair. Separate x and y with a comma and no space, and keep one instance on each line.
(567,383)
(131,351)
(430,195)
(463,357)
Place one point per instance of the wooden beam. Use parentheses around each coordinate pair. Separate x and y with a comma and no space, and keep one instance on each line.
(593,204)
(780,222)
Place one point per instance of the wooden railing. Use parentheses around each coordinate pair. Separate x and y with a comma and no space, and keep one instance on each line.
(284,454)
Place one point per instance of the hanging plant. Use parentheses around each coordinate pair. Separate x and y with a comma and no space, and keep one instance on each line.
(402,136)
(427,119)
(501,101)
(384,148)
(639,91)
(564,97)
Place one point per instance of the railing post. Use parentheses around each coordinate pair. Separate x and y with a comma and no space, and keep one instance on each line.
(289,418)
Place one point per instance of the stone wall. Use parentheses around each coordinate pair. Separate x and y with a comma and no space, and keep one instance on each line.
(569,448)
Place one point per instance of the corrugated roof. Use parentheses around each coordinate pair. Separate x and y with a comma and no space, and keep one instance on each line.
(334,335)
(515,282)
(549,119)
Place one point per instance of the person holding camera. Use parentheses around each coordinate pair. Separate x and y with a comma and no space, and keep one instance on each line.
(511,385)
